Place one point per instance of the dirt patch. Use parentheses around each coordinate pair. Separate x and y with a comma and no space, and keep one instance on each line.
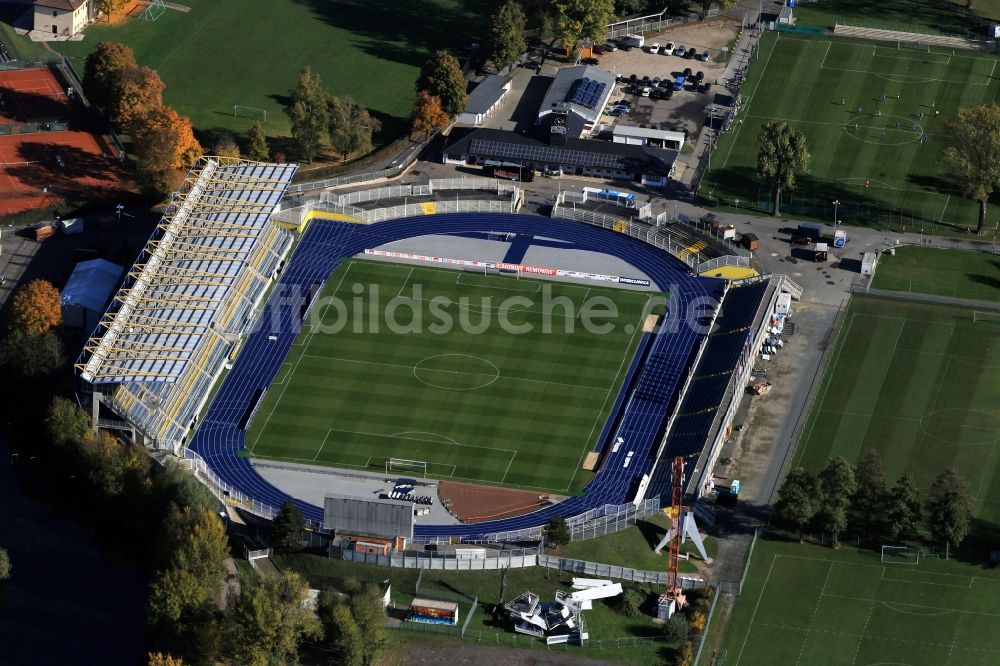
(472,503)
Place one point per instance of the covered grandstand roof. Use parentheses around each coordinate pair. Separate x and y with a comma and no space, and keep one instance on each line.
(185,276)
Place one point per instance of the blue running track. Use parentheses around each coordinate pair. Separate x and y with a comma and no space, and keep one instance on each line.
(219,440)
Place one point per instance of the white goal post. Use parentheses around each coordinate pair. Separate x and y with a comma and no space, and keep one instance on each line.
(404,466)
(900,555)
(986,317)
(249,112)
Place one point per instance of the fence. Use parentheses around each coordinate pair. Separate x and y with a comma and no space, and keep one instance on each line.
(34,127)
(621,573)
(500,559)
(653,23)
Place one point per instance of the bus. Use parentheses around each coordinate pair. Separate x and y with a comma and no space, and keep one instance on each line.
(508,171)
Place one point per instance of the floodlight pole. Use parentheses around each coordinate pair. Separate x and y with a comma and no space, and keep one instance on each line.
(836,206)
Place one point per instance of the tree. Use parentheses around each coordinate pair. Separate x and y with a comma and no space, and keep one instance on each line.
(266,621)
(111,8)
(428,116)
(632,601)
(870,502)
(783,154)
(172,593)
(257,143)
(904,507)
(308,113)
(113,467)
(582,19)
(507,39)
(185,149)
(101,71)
(442,77)
(66,422)
(797,499)
(723,5)
(973,154)
(29,355)
(836,486)
(225,146)
(342,635)
(350,126)
(286,530)
(195,541)
(161,659)
(138,93)
(369,614)
(166,143)
(676,629)
(5,566)
(949,509)
(556,531)
(36,308)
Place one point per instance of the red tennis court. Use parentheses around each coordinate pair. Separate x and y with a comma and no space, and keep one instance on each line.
(40,167)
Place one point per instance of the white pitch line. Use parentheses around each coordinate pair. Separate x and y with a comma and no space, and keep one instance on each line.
(400,293)
(755,609)
(941,218)
(509,463)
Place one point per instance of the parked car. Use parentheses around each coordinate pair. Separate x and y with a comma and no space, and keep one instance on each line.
(610,47)
(656,81)
(690,54)
(680,50)
(591,61)
(687,72)
(705,57)
(531,64)
(654,47)
(699,77)
(633,78)
(646,91)
(668,48)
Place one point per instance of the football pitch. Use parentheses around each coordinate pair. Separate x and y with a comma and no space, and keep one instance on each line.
(224,53)
(485,378)
(805,604)
(864,108)
(919,384)
(954,273)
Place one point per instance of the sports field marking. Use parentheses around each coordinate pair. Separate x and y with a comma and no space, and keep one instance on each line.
(405,282)
(294,368)
(507,471)
(495,376)
(755,609)
(943,209)
(925,574)
(864,630)
(458,281)
(892,354)
(459,372)
(819,600)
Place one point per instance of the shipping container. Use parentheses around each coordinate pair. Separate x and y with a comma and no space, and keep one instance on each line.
(868,262)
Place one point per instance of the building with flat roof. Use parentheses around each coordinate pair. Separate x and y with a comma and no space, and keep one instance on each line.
(581,92)
(485,100)
(582,157)
(648,136)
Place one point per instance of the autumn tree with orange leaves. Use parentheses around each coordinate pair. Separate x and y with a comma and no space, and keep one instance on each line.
(138,93)
(428,116)
(36,308)
(165,144)
(161,659)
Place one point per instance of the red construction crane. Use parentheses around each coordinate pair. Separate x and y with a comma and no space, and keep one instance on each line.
(674,550)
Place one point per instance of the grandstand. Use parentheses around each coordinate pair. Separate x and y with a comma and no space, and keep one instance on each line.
(187,301)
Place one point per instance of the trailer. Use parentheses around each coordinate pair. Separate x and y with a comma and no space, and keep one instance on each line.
(821,252)
(840,238)
(636,41)
(868,262)
(750,241)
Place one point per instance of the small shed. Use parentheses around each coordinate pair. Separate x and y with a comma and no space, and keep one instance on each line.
(821,252)
(749,241)
(485,100)
(433,611)
(87,292)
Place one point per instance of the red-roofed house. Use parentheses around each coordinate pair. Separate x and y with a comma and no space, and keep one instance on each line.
(62,17)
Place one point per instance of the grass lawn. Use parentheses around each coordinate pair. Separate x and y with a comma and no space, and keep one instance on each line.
(918,383)
(881,173)
(807,604)
(476,400)
(604,623)
(941,272)
(632,547)
(934,16)
(249,52)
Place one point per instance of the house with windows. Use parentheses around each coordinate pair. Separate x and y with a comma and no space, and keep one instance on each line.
(63,18)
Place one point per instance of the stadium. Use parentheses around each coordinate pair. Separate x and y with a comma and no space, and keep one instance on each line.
(201,352)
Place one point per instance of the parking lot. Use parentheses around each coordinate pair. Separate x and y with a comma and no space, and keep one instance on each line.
(685,110)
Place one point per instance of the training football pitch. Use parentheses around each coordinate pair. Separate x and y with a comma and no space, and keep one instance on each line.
(503,395)
(805,604)
(867,151)
(954,273)
(919,384)
(249,53)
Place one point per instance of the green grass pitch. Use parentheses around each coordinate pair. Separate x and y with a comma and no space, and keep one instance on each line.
(249,52)
(476,402)
(805,604)
(818,86)
(956,273)
(918,383)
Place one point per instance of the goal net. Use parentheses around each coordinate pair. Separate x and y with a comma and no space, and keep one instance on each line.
(249,112)
(153,11)
(404,466)
(900,555)
(986,317)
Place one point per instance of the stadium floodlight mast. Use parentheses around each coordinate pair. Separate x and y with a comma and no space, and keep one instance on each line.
(836,206)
